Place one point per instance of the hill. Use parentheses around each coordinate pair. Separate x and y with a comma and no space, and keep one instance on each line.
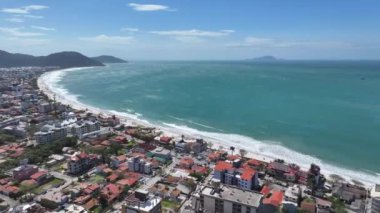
(108,59)
(61,59)
(265,58)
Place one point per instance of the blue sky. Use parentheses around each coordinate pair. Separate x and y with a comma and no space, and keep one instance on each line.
(194,29)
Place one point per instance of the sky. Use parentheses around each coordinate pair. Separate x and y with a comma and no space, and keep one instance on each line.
(193,29)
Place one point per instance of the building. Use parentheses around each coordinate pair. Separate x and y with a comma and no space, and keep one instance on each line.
(50,133)
(142,201)
(162,153)
(140,165)
(24,172)
(245,178)
(80,162)
(227,199)
(190,145)
(111,192)
(374,202)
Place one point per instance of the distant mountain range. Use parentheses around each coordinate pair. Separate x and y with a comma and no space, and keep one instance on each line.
(61,59)
(109,59)
(264,58)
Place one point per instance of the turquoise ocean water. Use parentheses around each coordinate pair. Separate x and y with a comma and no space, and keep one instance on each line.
(326,110)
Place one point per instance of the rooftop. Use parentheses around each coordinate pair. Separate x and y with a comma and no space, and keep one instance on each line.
(235,195)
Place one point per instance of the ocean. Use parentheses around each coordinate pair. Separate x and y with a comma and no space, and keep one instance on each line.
(324,112)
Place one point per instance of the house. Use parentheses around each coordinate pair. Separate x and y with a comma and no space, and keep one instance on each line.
(11,191)
(91,188)
(308,205)
(91,204)
(130,181)
(112,178)
(24,172)
(272,202)
(111,192)
(39,176)
(72,208)
(142,201)
(53,199)
(186,162)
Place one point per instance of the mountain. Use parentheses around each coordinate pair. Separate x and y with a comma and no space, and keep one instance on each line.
(264,58)
(61,59)
(108,59)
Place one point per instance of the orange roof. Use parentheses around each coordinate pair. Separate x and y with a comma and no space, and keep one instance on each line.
(38,174)
(222,166)
(275,199)
(91,188)
(112,177)
(233,157)
(265,190)
(248,174)
(128,181)
(187,160)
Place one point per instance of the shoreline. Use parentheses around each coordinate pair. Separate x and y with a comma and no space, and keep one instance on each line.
(47,80)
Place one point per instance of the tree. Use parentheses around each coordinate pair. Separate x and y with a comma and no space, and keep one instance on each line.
(242,152)
(232,150)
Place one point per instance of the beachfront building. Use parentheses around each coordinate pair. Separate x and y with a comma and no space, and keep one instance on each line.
(142,201)
(226,199)
(50,133)
(190,145)
(83,128)
(245,178)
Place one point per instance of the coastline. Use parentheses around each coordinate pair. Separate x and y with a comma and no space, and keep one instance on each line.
(48,80)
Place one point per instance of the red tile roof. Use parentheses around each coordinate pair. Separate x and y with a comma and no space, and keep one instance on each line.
(128,181)
(112,177)
(91,188)
(275,199)
(222,166)
(248,174)
(111,191)
(38,175)
(265,190)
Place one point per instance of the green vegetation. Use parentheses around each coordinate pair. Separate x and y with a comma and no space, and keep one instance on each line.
(170,204)
(337,204)
(40,153)
(198,176)
(53,183)
(97,179)
(4,137)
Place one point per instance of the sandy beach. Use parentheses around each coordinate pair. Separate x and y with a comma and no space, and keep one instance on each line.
(47,80)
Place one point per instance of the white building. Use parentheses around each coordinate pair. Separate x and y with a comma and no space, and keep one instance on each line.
(142,201)
(138,164)
(226,199)
(50,133)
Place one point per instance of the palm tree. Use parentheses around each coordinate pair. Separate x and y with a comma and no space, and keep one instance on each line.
(242,152)
(232,150)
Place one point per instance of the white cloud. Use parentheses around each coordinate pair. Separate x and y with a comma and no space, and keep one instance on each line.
(129,29)
(16,32)
(43,28)
(15,20)
(194,32)
(33,16)
(193,35)
(24,10)
(149,7)
(26,42)
(109,39)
